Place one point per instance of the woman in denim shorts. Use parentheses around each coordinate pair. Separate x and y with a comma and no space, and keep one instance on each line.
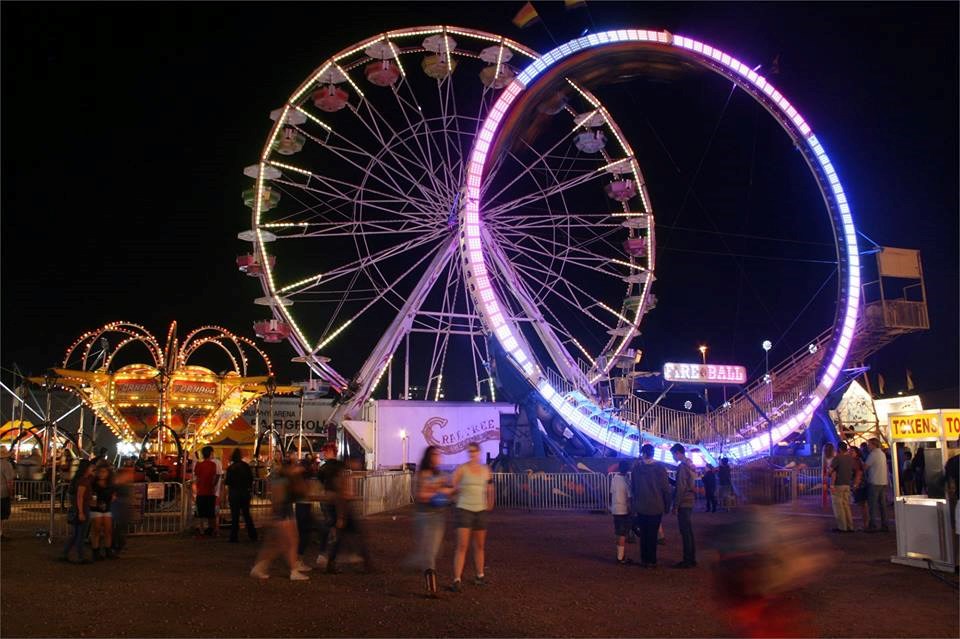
(474,485)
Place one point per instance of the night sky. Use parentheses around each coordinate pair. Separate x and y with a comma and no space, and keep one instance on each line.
(126,128)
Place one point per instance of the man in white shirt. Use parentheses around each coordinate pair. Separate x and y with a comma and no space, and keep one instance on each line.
(875,469)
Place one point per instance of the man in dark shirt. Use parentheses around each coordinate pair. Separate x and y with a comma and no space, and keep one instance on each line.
(328,475)
(710,488)
(726,486)
(239,481)
(843,475)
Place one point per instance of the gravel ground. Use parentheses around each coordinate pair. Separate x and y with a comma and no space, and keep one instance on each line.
(550,574)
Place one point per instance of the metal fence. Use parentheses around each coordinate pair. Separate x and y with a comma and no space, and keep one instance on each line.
(30,508)
(552,491)
(590,491)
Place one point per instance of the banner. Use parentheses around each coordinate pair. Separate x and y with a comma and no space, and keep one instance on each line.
(286,415)
(925,425)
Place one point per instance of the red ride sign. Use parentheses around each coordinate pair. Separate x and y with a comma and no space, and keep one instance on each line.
(704,373)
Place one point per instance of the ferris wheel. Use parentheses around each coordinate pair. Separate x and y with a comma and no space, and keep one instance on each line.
(356,235)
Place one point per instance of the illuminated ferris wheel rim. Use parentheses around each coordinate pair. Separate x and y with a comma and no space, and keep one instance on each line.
(825,175)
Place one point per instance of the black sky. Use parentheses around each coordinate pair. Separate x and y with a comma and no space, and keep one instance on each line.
(126,128)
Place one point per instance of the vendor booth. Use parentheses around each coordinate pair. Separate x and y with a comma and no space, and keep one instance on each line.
(925,523)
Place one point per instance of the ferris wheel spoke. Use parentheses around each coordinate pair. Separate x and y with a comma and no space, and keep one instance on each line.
(402,162)
(545,193)
(426,150)
(549,281)
(573,254)
(353,152)
(527,168)
(328,336)
(331,187)
(525,300)
(409,219)
(360,264)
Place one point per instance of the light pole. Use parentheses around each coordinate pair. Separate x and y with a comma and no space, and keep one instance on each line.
(403,449)
(767,345)
(706,391)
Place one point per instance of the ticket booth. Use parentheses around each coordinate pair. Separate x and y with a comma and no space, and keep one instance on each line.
(925,525)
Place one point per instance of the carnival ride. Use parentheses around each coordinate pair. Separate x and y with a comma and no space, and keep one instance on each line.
(167,405)
(452,206)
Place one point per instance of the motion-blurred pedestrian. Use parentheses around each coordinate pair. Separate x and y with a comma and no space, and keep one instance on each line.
(120,508)
(710,488)
(860,487)
(349,528)
(328,473)
(432,498)
(725,483)
(282,536)
(302,507)
(7,475)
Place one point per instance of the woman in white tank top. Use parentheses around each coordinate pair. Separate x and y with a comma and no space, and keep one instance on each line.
(474,485)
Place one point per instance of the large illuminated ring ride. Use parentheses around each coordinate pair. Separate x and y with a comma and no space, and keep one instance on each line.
(355,227)
(577,410)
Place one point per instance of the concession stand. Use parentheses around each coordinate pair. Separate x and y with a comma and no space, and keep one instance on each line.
(925,523)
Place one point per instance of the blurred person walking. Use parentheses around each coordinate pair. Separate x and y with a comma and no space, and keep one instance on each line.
(282,536)
(239,482)
(683,504)
(432,498)
(327,474)
(651,497)
(302,508)
(101,521)
(473,484)
(710,489)
(859,489)
(81,498)
(7,475)
(620,509)
(725,483)
(120,508)
(876,470)
(349,529)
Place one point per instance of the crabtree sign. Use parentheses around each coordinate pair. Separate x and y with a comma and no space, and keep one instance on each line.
(704,373)
(450,426)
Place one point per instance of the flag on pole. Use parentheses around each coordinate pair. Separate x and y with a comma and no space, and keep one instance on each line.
(574,4)
(526,16)
(775,65)
(881,384)
(909,380)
